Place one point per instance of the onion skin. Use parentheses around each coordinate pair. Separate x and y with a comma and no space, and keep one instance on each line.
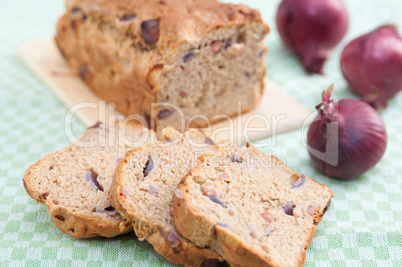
(372,65)
(311,29)
(361,137)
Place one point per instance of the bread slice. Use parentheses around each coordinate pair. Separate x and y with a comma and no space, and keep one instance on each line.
(144,184)
(74,181)
(249,207)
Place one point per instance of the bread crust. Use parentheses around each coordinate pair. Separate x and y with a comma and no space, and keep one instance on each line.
(134,86)
(173,31)
(185,253)
(73,222)
(236,252)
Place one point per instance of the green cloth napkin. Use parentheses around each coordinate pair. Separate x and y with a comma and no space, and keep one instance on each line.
(363,226)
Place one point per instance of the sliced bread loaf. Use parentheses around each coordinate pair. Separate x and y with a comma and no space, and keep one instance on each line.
(249,207)
(169,61)
(144,184)
(74,181)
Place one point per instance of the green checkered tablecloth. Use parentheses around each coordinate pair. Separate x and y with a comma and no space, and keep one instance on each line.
(363,227)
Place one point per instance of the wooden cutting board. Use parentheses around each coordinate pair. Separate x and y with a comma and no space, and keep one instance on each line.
(277,112)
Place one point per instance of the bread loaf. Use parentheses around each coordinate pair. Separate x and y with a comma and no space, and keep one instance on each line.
(170,61)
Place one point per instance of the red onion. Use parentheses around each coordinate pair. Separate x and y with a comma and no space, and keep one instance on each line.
(299,182)
(372,65)
(149,166)
(311,29)
(217,201)
(173,240)
(109,210)
(92,179)
(288,208)
(347,138)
